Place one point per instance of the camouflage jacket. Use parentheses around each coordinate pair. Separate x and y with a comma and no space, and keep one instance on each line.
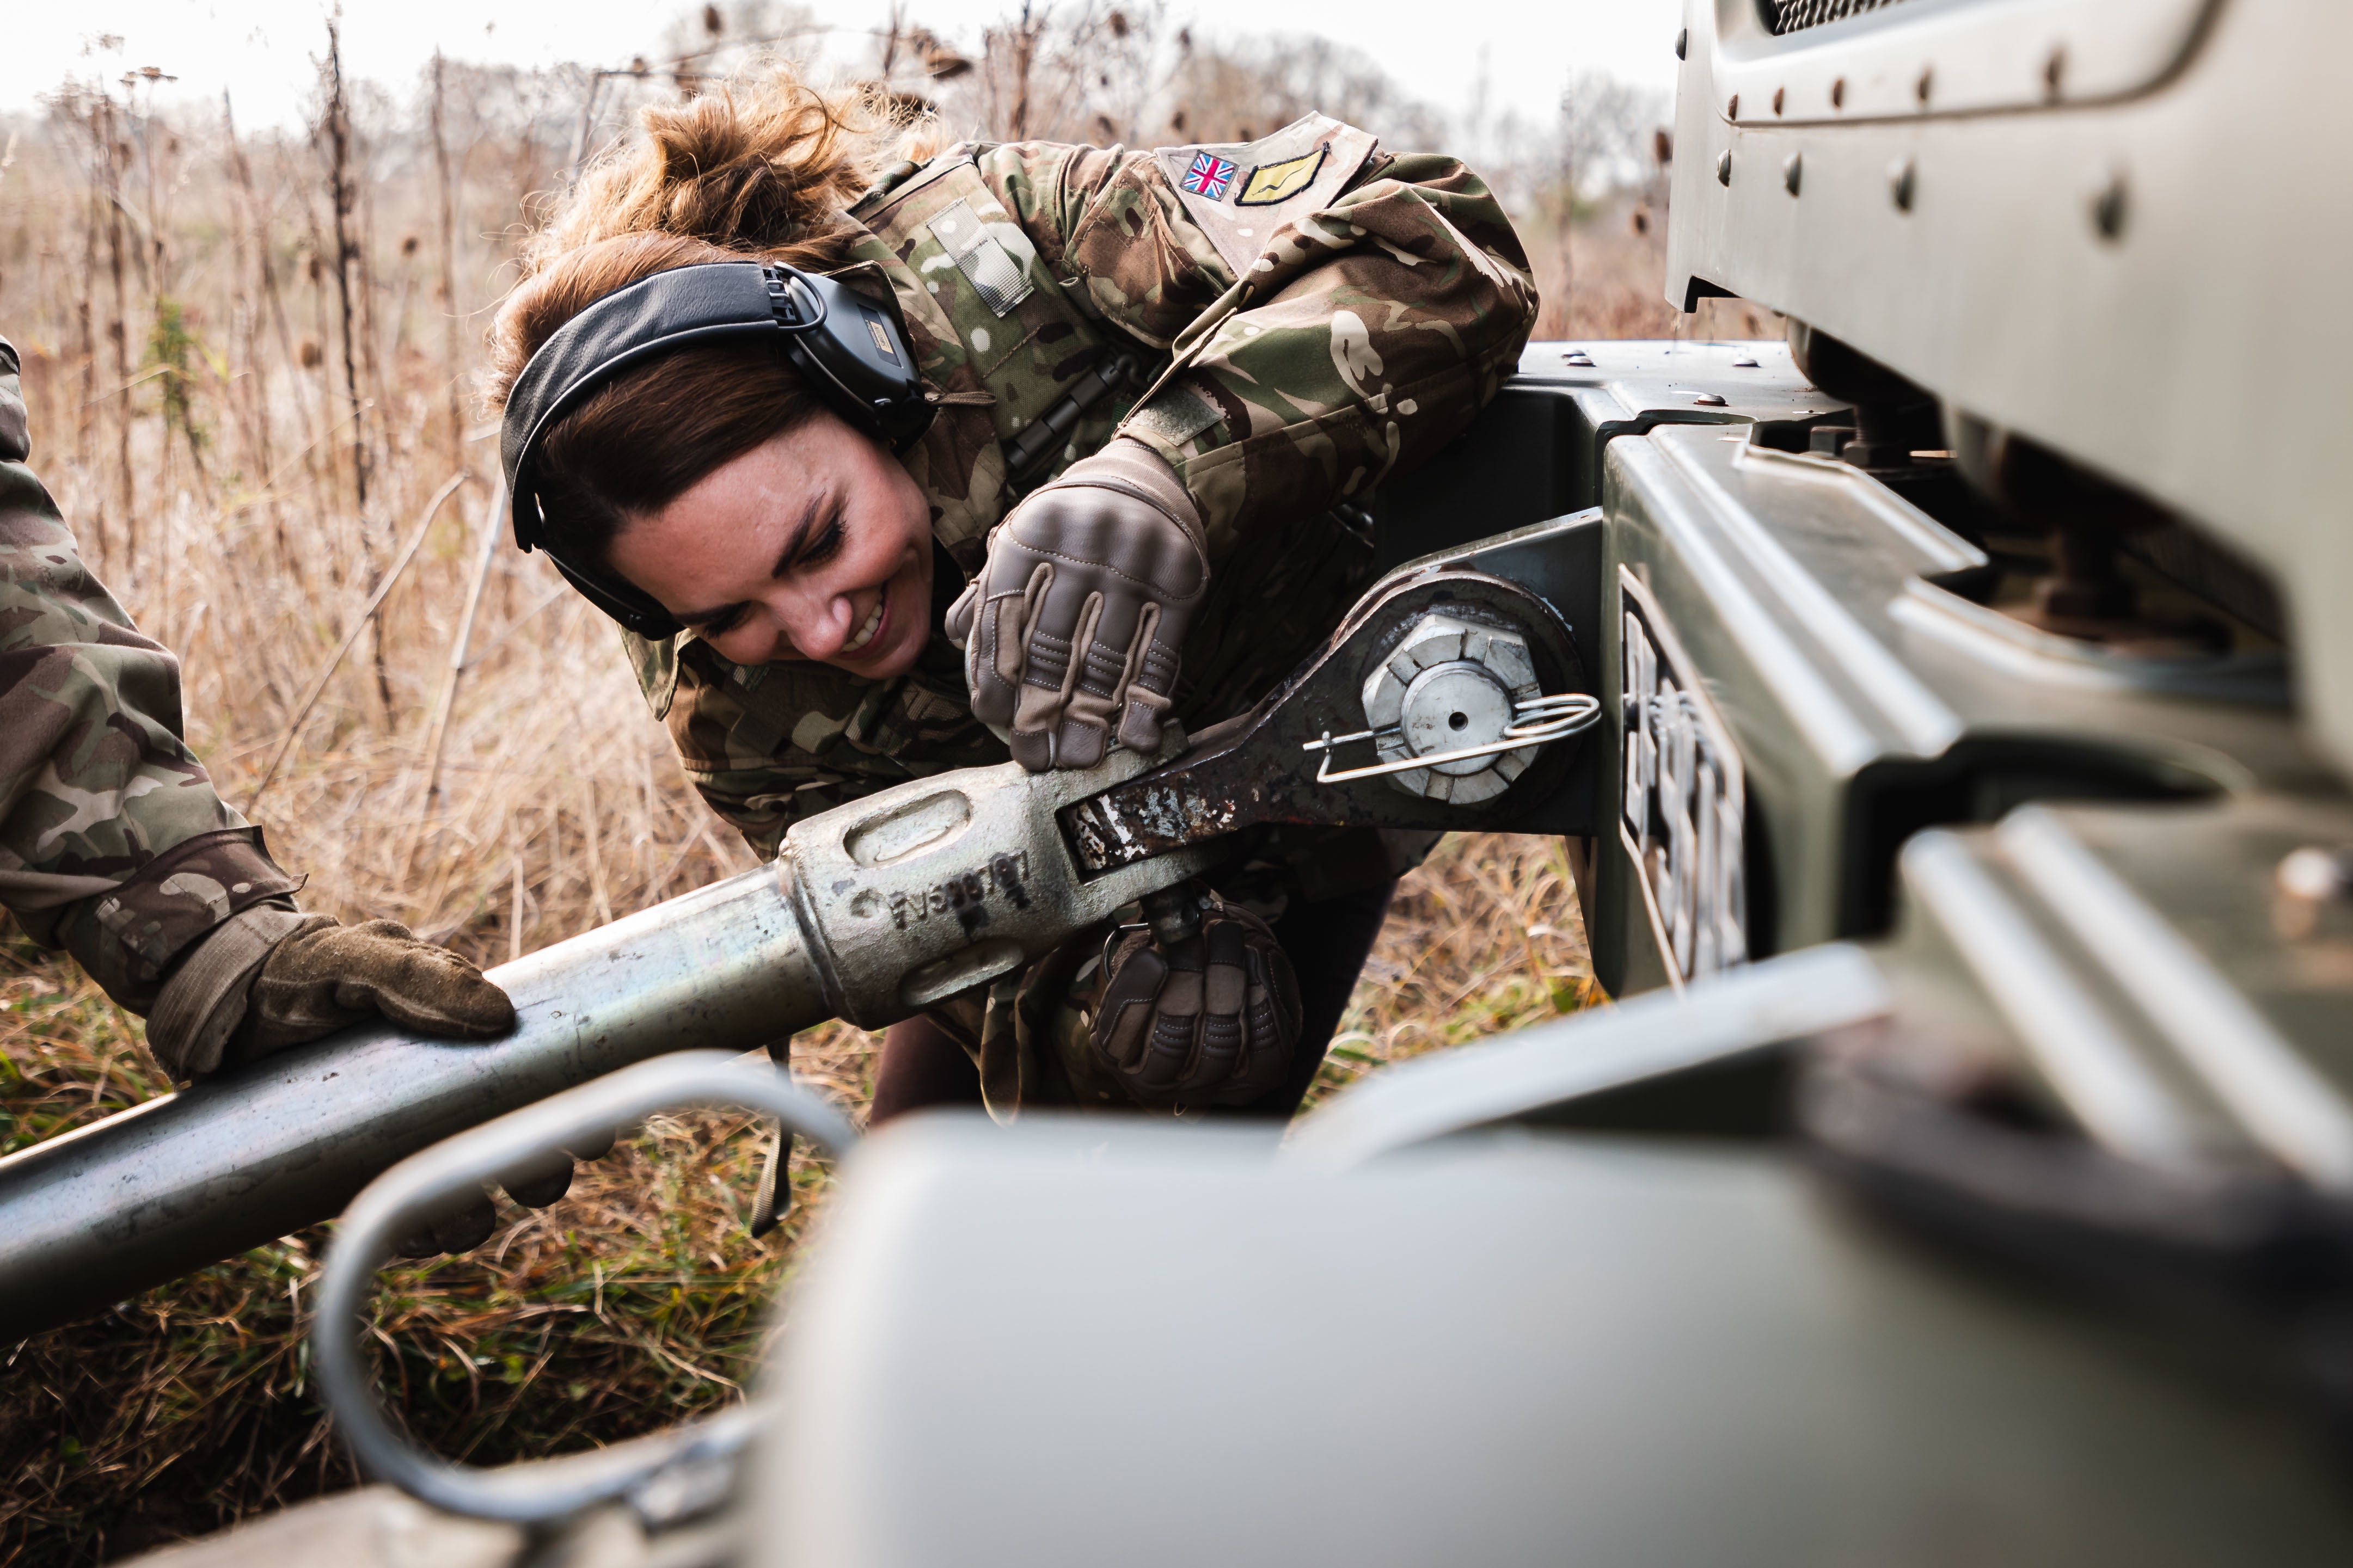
(113,844)
(1296,320)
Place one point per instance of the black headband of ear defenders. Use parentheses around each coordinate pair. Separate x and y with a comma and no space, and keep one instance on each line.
(851,350)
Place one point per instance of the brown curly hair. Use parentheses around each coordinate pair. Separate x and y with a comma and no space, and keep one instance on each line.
(763,168)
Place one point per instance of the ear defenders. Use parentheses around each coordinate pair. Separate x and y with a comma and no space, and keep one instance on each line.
(850,350)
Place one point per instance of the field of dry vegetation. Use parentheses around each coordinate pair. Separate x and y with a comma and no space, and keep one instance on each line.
(249,359)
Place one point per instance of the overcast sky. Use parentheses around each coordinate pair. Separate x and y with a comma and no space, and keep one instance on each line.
(1523,51)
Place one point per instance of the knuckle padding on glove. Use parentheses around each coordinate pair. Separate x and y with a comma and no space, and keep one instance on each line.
(1172,1047)
(1215,1020)
(1119,558)
(1086,649)
(1006,641)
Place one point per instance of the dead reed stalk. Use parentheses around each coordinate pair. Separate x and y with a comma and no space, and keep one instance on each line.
(445,212)
(336,127)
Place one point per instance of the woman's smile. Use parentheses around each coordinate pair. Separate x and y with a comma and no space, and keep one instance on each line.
(814,544)
(867,629)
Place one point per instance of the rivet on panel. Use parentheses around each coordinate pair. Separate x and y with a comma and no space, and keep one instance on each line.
(1793,170)
(1723,167)
(1903,175)
(1776,100)
(2054,72)
(1732,107)
(1682,44)
(2304,884)
(1709,400)
(1922,88)
(1838,93)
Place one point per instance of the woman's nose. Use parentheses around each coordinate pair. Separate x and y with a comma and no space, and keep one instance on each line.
(815,627)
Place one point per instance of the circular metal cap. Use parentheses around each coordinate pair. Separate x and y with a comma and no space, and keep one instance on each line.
(1451,706)
(1447,666)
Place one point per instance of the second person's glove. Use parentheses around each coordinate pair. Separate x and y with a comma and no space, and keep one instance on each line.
(1212,1019)
(271,978)
(1071,631)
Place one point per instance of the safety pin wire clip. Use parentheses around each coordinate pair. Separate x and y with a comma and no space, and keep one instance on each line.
(1538,721)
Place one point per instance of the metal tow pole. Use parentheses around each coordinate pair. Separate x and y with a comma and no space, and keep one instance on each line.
(874,910)
(168,1186)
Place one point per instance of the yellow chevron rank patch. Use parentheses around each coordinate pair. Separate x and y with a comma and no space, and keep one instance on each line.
(1271,183)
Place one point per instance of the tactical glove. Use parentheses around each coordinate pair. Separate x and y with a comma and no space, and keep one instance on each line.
(1212,1019)
(1071,632)
(325,975)
(271,978)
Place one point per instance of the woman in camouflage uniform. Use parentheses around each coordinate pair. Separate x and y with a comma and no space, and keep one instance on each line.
(1164,380)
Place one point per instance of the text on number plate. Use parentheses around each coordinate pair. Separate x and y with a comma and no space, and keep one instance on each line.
(1682,802)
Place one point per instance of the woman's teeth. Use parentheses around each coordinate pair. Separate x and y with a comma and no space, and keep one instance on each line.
(865,634)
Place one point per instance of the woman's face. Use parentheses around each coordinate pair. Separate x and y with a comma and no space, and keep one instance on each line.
(814,544)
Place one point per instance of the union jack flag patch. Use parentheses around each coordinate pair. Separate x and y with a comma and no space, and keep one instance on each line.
(1209,176)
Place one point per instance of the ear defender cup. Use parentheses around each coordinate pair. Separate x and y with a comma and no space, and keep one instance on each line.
(852,353)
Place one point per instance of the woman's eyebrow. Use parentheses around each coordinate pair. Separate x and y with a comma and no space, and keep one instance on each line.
(800,531)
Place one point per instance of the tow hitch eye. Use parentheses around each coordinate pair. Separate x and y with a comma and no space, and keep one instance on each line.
(1455,712)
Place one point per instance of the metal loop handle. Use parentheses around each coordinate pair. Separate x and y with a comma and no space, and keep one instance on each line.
(1537,722)
(658,1480)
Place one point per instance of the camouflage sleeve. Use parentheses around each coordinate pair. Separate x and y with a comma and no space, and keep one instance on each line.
(1363,336)
(1104,220)
(113,842)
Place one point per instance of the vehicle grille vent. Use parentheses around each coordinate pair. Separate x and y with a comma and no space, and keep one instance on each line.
(1792,16)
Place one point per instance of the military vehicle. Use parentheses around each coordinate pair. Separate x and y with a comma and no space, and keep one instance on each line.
(1948,711)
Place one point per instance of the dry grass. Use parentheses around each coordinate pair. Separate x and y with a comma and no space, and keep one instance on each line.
(633,1302)
(245,471)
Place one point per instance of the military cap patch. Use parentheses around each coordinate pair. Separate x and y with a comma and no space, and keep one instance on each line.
(1210,175)
(1271,183)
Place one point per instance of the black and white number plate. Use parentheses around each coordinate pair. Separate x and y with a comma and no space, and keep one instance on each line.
(1681,809)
